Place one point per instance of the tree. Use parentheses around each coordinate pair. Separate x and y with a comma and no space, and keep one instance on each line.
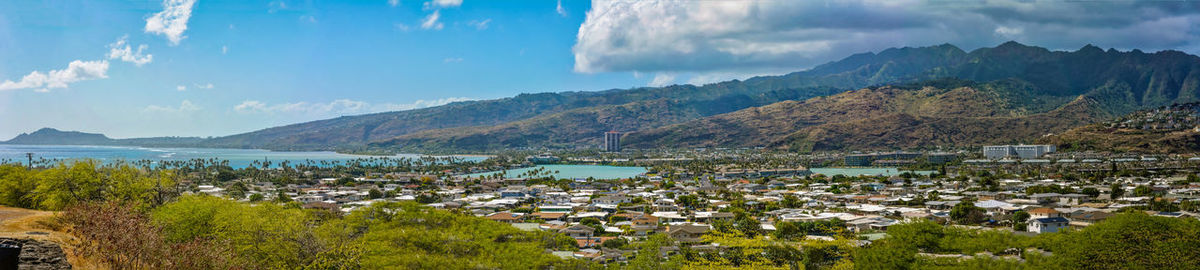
(1133,241)
(747,224)
(256,197)
(226,176)
(966,212)
(428,198)
(1093,192)
(615,243)
(236,191)
(1143,191)
(374,193)
(1018,220)
(1020,216)
(790,201)
(281,197)
(16,186)
(1117,191)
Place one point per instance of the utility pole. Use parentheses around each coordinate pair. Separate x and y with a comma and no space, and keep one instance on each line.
(30,164)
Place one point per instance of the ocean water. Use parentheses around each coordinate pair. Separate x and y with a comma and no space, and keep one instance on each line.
(577,171)
(238,158)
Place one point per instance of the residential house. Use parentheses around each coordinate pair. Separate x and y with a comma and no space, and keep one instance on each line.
(687,233)
(1047,225)
(617,199)
(1044,213)
(506,217)
(644,225)
(578,231)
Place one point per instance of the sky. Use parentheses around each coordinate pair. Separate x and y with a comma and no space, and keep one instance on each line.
(142,68)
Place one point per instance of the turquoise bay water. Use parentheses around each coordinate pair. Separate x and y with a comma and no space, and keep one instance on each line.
(576,171)
(863,171)
(238,158)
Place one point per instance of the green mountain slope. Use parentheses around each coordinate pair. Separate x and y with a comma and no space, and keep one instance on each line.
(356,131)
(1168,129)
(54,136)
(880,118)
(50,136)
(1039,92)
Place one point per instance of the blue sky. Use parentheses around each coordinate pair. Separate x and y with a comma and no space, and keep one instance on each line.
(311,53)
(219,67)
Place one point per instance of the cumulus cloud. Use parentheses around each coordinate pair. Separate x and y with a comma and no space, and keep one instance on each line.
(275,6)
(180,88)
(338,107)
(559,8)
(422,104)
(76,71)
(121,50)
(724,36)
(662,79)
(185,106)
(480,24)
(172,21)
(442,4)
(431,21)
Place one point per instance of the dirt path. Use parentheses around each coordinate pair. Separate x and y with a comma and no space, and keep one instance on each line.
(24,223)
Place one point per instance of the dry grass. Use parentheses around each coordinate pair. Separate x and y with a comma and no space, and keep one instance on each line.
(41,225)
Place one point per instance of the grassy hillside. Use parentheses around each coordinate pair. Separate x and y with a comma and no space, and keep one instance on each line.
(1168,129)
(1020,86)
(492,115)
(882,118)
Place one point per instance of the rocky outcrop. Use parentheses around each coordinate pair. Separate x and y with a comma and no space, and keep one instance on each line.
(36,255)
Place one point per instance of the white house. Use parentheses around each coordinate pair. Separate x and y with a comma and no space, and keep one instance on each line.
(1047,225)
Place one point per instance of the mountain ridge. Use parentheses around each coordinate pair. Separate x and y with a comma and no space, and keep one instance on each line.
(52,136)
(1028,80)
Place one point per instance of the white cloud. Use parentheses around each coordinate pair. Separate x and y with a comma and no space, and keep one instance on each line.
(75,71)
(185,106)
(123,51)
(1009,32)
(559,8)
(442,4)
(337,107)
(421,104)
(730,36)
(452,60)
(308,18)
(274,6)
(250,106)
(662,79)
(224,49)
(431,21)
(480,25)
(180,88)
(394,3)
(172,21)
(402,27)
(204,86)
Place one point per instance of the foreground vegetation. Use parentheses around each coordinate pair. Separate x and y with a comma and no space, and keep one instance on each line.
(135,218)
